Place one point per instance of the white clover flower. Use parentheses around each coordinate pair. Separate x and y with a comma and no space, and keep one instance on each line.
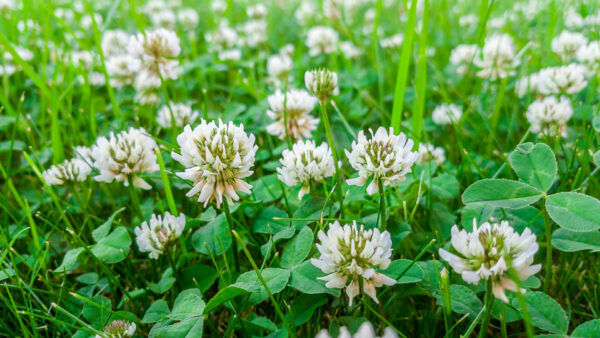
(7,70)
(365,330)
(446,114)
(23,53)
(115,42)
(164,19)
(255,32)
(349,251)
(222,38)
(573,20)
(65,14)
(322,83)
(87,24)
(526,85)
(188,18)
(216,157)
(393,41)
(122,69)
(146,85)
(429,152)
(498,57)
(567,43)
(305,163)
(549,116)
(128,153)
(306,12)
(7,5)
(82,58)
(287,50)
(69,171)
(159,234)
(349,50)
(118,329)
(297,104)
(155,50)
(182,113)
(279,67)
(589,55)
(155,6)
(321,40)
(385,157)
(560,80)
(233,54)
(462,57)
(592,19)
(468,20)
(489,252)
(95,79)
(257,11)
(218,6)
(85,154)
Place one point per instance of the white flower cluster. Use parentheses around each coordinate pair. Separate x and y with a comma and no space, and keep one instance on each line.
(568,79)
(498,57)
(321,40)
(549,116)
(526,85)
(352,252)
(118,329)
(69,171)
(589,56)
(394,41)
(305,163)
(216,157)
(223,40)
(126,154)
(429,152)
(181,112)
(9,67)
(462,57)
(155,237)
(385,157)
(446,114)
(322,83)
(489,252)
(278,68)
(120,65)
(566,44)
(156,50)
(365,330)
(297,104)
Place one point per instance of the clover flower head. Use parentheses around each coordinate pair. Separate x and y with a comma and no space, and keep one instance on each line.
(446,114)
(217,157)
(279,67)
(188,18)
(393,41)
(297,104)
(321,40)
(164,19)
(233,54)
(349,50)
(549,116)
(429,152)
(155,50)
(254,32)
(128,153)
(567,43)
(350,251)
(159,234)
(489,252)
(462,57)
(322,83)
(589,55)
(69,171)
(526,85)
(304,164)
(182,113)
(365,330)
(569,79)
(573,19)
(498,57)
(385,157)
(222,38)
(118,329)
(256,11)
(115,42)
(122,69)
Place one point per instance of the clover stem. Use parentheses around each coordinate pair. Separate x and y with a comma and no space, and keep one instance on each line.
(338,173)
(548,227)
(489,300)
(134,197)
(231,227)
(382,214)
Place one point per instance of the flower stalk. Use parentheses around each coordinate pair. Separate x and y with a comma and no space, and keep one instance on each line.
(338,173)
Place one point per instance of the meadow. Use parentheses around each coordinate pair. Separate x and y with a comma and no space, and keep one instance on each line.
(301,168)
